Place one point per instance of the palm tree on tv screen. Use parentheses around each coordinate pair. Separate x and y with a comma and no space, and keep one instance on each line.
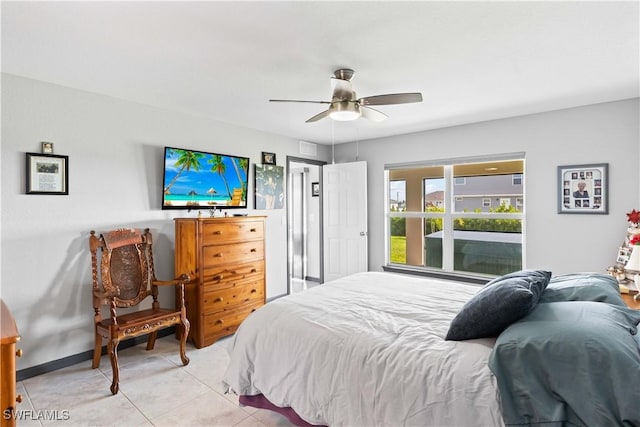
(187,160)
(244,165)
(217,165)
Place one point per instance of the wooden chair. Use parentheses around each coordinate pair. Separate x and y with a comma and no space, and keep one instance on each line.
(123,276)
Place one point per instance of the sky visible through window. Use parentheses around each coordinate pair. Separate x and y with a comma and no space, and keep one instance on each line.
(397,189)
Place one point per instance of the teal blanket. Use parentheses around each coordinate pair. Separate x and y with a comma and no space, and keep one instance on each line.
(571,363)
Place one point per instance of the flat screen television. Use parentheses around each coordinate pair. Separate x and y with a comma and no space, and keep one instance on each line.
(200,180)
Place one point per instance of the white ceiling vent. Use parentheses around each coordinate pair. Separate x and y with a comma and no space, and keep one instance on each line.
(308,148)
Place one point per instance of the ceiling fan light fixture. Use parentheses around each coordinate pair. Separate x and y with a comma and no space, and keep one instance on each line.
(344,111)
(346,106)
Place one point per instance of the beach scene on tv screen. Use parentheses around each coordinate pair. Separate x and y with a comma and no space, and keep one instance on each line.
(197,179)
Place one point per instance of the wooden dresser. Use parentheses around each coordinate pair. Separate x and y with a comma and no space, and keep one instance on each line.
(225,259)
(8,339)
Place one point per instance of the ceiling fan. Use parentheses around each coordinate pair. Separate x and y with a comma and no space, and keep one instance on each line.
(345,106)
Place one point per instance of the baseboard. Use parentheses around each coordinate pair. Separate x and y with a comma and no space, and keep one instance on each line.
(312,279)
(54,365)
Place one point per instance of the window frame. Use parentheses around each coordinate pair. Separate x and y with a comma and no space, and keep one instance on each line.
(449,216)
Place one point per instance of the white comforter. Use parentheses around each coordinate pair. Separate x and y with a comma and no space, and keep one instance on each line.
(367,350)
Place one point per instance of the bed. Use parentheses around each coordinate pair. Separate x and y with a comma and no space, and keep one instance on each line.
(370,349)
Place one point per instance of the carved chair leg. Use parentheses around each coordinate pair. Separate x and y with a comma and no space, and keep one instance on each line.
(113,355)
(183,340)
(151,340)
(97,352)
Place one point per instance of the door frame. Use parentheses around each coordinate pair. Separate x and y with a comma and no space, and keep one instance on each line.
(289,198)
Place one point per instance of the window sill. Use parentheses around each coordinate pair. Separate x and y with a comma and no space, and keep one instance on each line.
(460,277)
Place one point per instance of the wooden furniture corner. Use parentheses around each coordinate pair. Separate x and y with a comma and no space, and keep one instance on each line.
(8,338)
(628,299)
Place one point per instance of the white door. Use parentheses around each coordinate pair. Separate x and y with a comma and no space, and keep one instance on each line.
(344,208)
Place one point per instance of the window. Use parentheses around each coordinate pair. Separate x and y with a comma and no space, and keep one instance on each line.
(449,227)
(397,191)
(516,179)
(397,195)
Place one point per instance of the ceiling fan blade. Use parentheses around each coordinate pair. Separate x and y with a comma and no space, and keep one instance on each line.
(296,100)
(319,116)
(371,114)
(342,89)
(392,98)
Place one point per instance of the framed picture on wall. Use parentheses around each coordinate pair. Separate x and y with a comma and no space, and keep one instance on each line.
(583,189)
(268,158)
(47,174)
(47,147)
(269,187)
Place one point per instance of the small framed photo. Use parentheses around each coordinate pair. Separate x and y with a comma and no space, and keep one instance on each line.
(315,189)
(47,174)
(47,147)
(268,158)
(583,189)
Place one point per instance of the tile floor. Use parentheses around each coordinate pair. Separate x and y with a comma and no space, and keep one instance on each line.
(155,390)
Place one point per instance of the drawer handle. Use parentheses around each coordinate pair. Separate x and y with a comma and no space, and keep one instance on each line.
(19,398)
(19,353)
(253,291)
(217,232)
(219,299)
(253,249)
(218,255)
(253,270)
(253,230)
(218,277)
(219,321)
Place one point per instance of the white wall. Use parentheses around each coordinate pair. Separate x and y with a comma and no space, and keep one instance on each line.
(115,151)
(603,133)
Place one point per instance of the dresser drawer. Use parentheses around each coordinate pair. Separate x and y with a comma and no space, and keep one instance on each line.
(232,253)
(230,232)
(241,292)
(226,322)
(221,274)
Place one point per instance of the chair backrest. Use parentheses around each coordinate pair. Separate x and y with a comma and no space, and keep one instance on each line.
(122,266)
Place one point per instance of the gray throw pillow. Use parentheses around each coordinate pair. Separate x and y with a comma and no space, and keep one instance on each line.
(596,287)
(498,304)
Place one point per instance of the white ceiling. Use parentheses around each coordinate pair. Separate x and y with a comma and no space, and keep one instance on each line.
(472,61)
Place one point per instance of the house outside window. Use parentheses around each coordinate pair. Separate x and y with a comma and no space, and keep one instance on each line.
(452,228)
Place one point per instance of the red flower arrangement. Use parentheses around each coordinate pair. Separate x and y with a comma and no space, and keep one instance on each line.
(633,217)
(635,240)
